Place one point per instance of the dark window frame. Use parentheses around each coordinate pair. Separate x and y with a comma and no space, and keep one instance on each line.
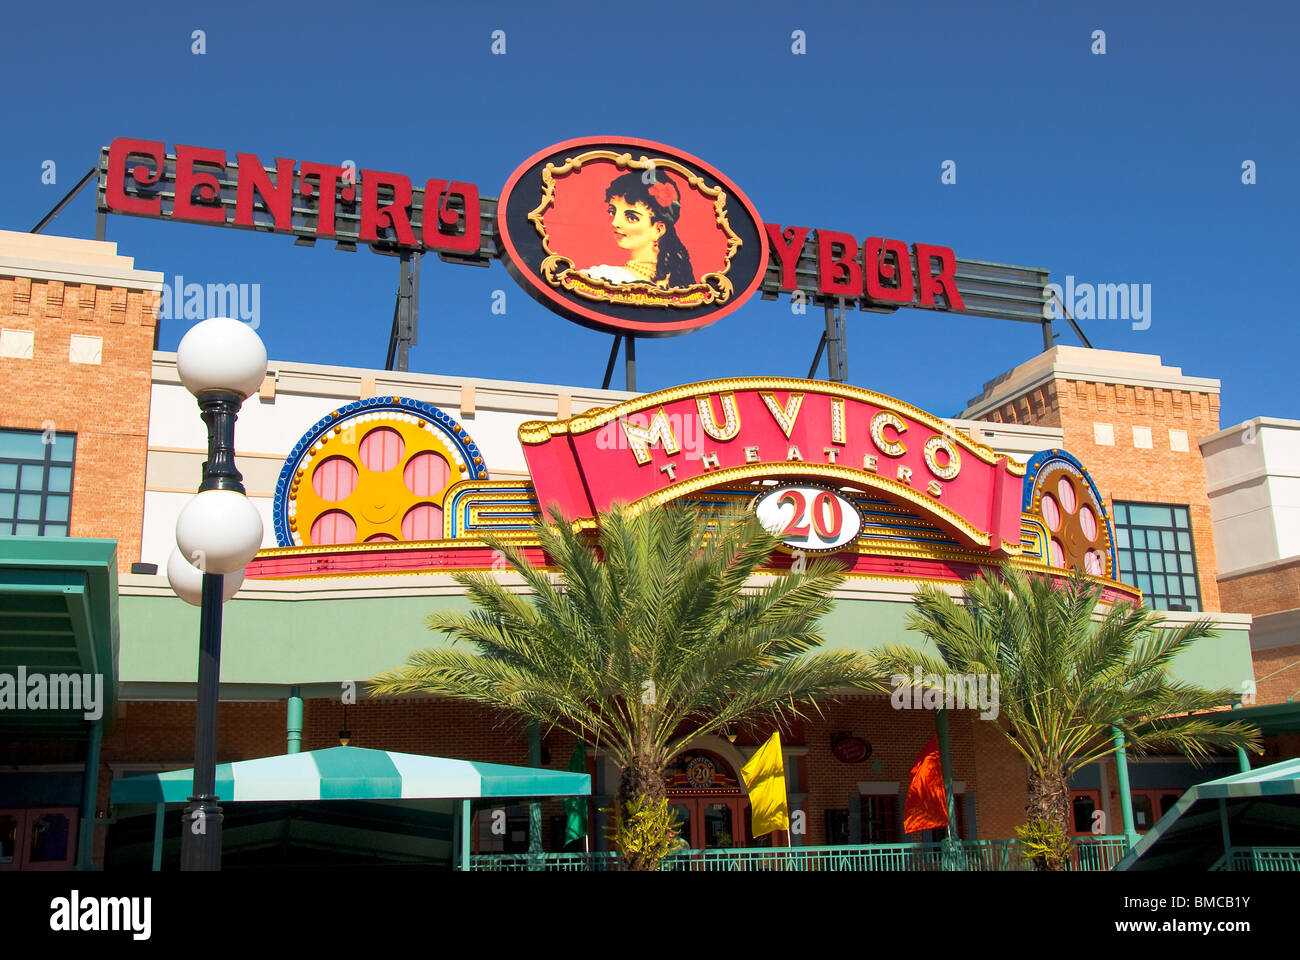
(13,494)
(1127,556)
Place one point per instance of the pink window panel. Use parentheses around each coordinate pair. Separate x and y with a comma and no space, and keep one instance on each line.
(333,526)
(1067,495)
(1051,513)
(426,474)
(1056,553)
(1088,522)
(1094,564)
(334,479)
(422,522)
(381,449)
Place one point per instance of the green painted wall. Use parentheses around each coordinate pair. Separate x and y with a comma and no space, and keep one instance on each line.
(326,641)
(275,641)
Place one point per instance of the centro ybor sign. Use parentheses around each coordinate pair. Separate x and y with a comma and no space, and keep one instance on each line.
(624,235)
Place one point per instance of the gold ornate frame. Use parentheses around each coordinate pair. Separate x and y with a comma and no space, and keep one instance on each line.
(555,266)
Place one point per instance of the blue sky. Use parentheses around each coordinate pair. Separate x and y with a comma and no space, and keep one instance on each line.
(1117,168)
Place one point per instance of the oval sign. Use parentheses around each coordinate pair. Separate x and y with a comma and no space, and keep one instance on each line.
(851,750)
(630,236)
(809,517)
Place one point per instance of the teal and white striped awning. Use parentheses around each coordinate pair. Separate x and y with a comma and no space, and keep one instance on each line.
(356,773)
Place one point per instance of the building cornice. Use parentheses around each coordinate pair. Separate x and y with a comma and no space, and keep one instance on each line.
(1093,366)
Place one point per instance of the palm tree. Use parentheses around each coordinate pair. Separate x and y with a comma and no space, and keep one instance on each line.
(648,637)
(1066,675)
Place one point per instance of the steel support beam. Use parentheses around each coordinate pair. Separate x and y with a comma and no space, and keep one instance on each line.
(817,357)
(406,313)
(67,198)
(837,348)
(609,367)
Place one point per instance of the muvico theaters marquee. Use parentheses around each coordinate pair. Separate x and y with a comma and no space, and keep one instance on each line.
(377,485)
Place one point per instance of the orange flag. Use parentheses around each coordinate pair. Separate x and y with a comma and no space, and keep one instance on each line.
(927,802)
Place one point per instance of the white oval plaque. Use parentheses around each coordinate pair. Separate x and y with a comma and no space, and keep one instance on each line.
(808,517)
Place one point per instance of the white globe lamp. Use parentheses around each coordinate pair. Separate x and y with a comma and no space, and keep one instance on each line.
(221,355)
(221,530)
(187,580)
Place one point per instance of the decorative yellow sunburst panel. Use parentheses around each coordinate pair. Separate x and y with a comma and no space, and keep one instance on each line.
(374,473)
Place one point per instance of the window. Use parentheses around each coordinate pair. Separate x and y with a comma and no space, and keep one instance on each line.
(941,833)
(1084,807)
(38,839)
(35,482)
(837,827)
(503,829)
(1154,543)
(1150,805)
(879,819)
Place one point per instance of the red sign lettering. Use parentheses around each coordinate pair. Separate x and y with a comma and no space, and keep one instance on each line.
(838,276)
(188,180)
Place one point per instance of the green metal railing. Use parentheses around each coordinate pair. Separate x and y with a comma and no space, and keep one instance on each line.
(1261,860)
(1090,853)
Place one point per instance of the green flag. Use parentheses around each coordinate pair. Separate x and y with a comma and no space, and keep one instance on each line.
(575,808)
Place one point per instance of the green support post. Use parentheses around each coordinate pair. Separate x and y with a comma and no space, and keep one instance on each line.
(1125,797)
(89,796)
(945,761)
(1227,836)
(951,858)
(466,817)
(455,836)
(534,809)
(159,812)
(1243,760)
(293,721)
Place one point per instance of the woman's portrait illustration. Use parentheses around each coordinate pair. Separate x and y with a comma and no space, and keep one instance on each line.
(643,217)
(638,232)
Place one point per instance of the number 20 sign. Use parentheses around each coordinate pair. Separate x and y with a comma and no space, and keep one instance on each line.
(809,517)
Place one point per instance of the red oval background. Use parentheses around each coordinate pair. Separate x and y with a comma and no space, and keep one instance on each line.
(573,236)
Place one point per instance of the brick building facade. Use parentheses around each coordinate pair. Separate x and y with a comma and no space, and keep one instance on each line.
(78,341)
(77,334)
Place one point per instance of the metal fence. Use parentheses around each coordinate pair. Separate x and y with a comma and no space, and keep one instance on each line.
(1262,860)
(1090,853)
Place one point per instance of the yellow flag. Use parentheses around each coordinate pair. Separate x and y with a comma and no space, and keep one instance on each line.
(765,778)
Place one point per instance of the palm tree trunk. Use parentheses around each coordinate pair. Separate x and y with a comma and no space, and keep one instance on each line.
(1049,804)
(643,781)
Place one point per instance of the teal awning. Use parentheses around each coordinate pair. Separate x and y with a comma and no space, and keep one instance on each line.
(58,622)
(356,773)
(1271,718)
(1258,808)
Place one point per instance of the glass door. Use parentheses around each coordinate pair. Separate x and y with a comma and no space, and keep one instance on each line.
(38,839)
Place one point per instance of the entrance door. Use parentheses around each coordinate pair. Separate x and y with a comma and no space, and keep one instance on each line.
(711,823)
(38,838)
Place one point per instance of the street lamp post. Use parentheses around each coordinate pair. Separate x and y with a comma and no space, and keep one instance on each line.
(222,362)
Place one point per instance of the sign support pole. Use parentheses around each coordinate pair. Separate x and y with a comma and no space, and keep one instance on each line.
(406,313)
(629,370)
(837,355)
(609,367)
(817,357)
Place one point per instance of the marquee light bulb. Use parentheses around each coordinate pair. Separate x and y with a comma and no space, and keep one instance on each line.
(187,580)
(221,354)
(221,529)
